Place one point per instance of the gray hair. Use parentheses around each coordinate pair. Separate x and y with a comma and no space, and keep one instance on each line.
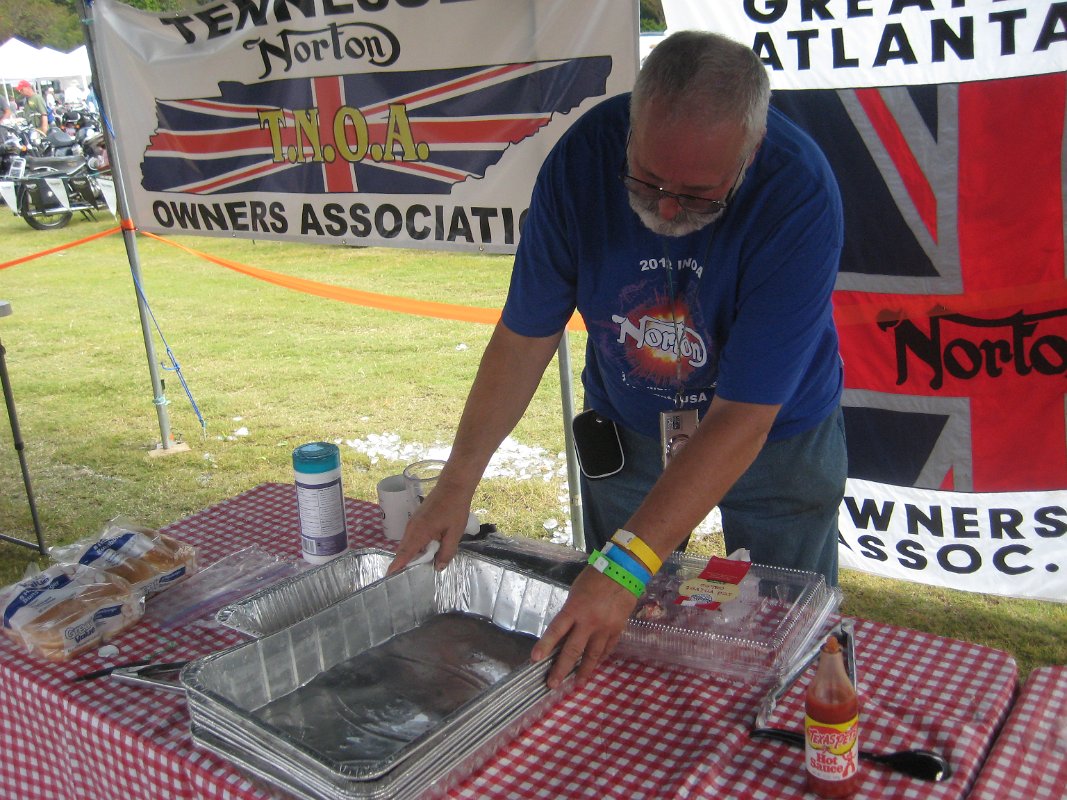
(708,76)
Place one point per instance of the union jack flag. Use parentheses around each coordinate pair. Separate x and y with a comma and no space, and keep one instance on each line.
(952,298)
(399,132)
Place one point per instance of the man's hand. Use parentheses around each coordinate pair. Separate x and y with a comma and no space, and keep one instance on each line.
(588,626)
(508,375)
(443,516)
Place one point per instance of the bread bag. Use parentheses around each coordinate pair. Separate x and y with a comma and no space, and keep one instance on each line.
(67,609)
(147,559)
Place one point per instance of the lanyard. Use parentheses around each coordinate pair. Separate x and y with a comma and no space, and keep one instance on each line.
(679,329)
(679,326)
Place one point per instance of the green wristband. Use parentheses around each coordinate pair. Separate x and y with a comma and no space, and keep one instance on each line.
(601,563)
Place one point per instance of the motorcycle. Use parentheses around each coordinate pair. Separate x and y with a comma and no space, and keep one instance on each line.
(58,143)
(18,140)
(50,189)
(78,130)
(94,148)
(66,136)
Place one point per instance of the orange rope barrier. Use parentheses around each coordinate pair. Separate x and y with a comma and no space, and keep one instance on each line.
(422,308)
(59,248)
(864,309)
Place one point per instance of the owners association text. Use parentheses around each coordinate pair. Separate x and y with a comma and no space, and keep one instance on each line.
(341,222)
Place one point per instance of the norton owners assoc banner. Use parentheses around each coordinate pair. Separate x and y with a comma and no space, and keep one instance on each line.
(411,123)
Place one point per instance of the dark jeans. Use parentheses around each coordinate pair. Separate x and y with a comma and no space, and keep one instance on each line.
(783,509)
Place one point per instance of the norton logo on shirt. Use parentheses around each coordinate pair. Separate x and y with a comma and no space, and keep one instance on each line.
(655,344)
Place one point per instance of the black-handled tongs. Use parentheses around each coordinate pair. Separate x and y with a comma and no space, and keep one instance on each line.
(918,763)
(151,675)
(844,633)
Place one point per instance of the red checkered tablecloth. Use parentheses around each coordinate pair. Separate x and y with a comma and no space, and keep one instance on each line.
(1029,758)
(634,731)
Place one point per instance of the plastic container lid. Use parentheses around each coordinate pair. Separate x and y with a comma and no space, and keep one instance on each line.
(753,637)
(316,457)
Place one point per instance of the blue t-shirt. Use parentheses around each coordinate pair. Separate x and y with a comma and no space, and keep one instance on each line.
(752,289)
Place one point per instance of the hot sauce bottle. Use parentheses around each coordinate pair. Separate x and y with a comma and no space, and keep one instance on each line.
(831,727)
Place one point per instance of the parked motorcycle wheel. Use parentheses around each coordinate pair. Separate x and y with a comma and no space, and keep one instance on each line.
(43,222)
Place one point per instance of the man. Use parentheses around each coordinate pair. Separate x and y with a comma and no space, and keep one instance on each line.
(699,235)
(73,95)
(5,107)
(92,104)
(34,108)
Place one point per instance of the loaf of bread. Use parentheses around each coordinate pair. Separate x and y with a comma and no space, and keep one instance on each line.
(148,560)
(67,609)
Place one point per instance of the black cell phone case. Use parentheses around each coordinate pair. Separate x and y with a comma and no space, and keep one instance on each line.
(597,443)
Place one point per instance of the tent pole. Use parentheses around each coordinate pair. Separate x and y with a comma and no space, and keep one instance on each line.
(566,391)
(16,437)
(129,235)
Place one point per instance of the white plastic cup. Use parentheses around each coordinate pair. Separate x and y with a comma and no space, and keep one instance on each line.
(321,501)
(397,503)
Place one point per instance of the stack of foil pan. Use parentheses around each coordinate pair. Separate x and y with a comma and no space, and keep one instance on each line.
(365,686)
(297,597)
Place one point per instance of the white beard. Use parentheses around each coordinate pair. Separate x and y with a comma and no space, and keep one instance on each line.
(684,223)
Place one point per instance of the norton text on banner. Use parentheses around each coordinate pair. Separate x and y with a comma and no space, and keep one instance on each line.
(353,123)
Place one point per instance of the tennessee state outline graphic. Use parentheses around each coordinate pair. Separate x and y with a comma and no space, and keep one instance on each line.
(417,132)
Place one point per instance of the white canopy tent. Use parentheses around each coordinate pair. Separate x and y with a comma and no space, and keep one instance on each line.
(19,60)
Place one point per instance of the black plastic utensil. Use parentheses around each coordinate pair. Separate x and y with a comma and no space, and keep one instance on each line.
(925,765)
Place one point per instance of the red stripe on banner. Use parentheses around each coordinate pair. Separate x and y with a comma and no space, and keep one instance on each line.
(1011,197)
(213,143)
(207,187)
(329,99)
(899,150)
(463,131)
(440,90)
(1011,233)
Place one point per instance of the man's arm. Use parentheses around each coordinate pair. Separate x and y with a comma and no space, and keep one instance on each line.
(509,373)
(41,110)
(726,443)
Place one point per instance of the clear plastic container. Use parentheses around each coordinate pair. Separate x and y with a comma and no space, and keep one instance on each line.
(758,628)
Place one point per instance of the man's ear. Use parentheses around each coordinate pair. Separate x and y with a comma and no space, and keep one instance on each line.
(759,144)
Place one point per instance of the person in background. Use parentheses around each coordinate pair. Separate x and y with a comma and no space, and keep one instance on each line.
(73,95)
(5,107)
(50,104)
(34,109)
(92,104)
(698,232)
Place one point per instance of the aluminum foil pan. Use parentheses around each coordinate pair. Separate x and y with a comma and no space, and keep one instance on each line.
(311,590)
(269,704)
(752,638)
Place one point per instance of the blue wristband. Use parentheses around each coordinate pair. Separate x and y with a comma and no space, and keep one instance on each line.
(627,562)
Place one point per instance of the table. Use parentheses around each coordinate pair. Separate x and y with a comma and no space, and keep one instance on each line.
(1029,758)
(633,731)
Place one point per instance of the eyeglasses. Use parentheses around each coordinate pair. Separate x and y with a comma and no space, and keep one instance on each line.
(690,202)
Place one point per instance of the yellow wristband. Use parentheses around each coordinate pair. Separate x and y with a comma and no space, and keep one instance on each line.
(633,543)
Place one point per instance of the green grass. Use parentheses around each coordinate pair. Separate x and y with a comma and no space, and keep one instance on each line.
(293,368)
